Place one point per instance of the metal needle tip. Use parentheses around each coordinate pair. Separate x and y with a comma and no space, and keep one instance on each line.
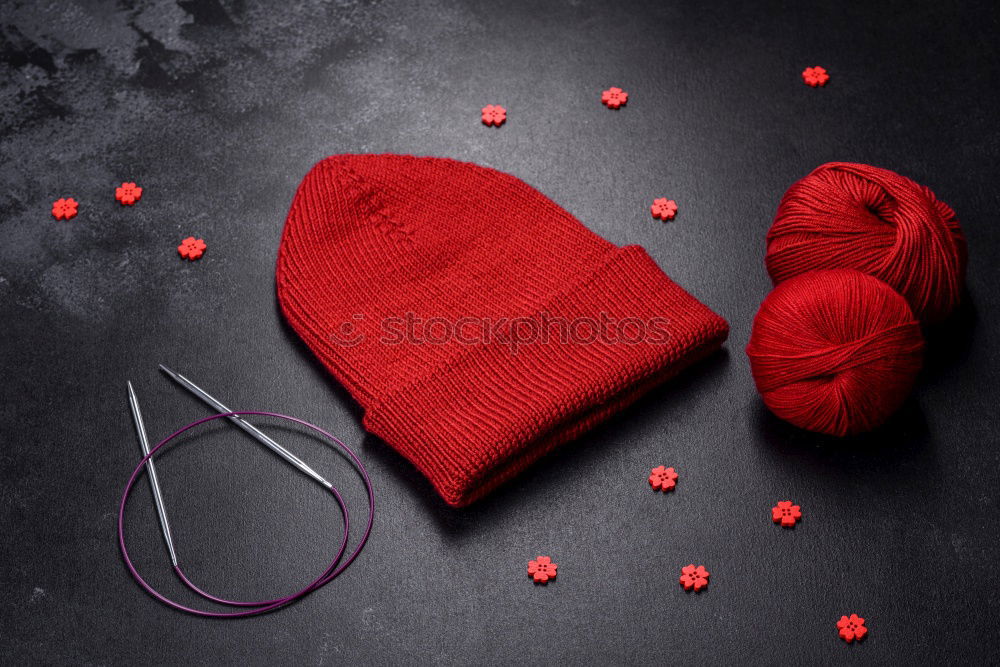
(154,482)
(259,435)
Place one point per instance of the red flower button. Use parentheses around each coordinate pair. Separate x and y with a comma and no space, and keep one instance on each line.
(542,569)
(614,97)
(663,208)
(662,479)
(64,208)
(494,114)
(852,627)
(695,577)
(815,76)
(128,193)
(786,513)
(192,248)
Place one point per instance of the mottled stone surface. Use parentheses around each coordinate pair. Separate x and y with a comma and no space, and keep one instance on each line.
(218,108)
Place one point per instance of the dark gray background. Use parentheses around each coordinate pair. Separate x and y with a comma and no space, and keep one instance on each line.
(219,109)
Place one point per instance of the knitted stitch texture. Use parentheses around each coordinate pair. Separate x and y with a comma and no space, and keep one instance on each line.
(374,241)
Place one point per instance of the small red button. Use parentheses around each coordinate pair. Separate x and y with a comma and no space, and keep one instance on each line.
(192,248)
(542,569)
(614,97)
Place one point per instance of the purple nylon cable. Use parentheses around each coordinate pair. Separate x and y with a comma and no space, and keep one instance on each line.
(260,606)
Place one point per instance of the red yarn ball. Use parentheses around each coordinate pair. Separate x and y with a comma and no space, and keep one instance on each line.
(855,216)
(835,351)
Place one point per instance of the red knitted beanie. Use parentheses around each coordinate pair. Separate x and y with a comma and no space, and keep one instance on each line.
(477,323)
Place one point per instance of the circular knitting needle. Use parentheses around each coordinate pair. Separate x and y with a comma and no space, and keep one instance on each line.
(154,481)
(246,426)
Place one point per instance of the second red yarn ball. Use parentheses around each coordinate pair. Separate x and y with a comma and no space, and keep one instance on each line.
(835,351)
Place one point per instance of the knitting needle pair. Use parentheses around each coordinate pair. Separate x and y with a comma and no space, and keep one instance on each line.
(154,481)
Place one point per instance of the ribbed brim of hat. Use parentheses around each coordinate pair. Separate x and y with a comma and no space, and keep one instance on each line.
(486,416)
